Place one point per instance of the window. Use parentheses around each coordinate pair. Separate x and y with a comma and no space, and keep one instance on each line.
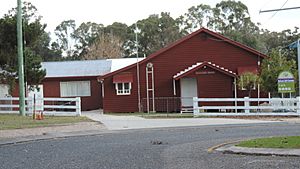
(75,88)
(123,88)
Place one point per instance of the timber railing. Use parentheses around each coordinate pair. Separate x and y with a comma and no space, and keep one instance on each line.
(246,106)
(48,106)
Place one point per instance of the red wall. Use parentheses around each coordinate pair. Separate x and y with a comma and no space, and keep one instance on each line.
(201,47)
(52,89)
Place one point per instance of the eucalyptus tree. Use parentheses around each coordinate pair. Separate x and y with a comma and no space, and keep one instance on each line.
(155,32)
(65,37)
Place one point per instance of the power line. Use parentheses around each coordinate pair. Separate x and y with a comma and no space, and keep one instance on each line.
(282,9)
(276,11)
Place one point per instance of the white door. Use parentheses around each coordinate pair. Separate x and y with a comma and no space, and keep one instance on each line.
(188,91)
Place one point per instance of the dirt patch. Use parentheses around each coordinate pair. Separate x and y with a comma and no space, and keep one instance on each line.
(76,127)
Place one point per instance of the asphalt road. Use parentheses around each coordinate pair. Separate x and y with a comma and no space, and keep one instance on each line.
(170,148)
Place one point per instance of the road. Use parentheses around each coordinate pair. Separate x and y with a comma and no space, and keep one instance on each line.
(169,148)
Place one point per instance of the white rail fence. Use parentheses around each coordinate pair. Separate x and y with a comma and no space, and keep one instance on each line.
(49,106)
(248,106)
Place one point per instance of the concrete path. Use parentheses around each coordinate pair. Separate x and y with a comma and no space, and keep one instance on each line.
(113,122)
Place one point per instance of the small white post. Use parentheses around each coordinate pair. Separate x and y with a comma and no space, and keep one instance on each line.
(30,105)
(78,106)
(247,104)
(298,104)
(195,106)
(235,95)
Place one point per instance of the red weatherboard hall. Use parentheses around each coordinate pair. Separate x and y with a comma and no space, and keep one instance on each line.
(203,64)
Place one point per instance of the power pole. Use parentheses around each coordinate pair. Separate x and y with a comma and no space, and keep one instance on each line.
(138,68)
(298,57)
(20,60)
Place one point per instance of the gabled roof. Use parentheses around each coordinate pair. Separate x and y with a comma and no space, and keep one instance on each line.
(218,36)
(198,65)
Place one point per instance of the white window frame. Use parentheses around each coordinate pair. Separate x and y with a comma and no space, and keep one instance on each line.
(123,91)
(75,89)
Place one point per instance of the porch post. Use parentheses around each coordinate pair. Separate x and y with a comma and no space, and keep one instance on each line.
(235,95)
(174,87)
(102,87)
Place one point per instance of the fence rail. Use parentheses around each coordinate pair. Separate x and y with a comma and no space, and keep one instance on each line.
(243,106)
(49,106)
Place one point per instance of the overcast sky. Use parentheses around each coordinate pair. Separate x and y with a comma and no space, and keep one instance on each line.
(129,11)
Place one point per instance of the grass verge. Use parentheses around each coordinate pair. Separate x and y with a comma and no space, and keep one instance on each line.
(273,142)
(13,121)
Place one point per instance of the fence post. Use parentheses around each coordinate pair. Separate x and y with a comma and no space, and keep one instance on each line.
(247,104)
(298,104)
(78,106)
(195,106)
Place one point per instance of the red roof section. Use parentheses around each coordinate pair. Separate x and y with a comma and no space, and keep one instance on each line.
(221,37)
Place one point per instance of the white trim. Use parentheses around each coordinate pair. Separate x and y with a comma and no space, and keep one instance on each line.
(123,91)
(200,63)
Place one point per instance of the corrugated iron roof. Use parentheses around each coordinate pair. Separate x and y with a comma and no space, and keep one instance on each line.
(85,67)
(76,68)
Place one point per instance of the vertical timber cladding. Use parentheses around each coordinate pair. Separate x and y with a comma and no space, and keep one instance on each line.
(214,84)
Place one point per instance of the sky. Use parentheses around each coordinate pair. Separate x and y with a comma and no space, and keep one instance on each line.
(129,11)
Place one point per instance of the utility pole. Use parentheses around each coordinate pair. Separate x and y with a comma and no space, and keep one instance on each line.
(298,52)
(20,60)
(138,67)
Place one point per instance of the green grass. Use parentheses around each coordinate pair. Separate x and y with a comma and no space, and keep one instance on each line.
(11,121)
(273,142)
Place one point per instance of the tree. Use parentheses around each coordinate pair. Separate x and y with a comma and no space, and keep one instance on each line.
(271,40)
(35,36)
(229,18)
(117,29)
(248,81)
(271,68)
(34,74)
(105,47)
(85,35)
(65,37)
(196,18)
(156,32)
